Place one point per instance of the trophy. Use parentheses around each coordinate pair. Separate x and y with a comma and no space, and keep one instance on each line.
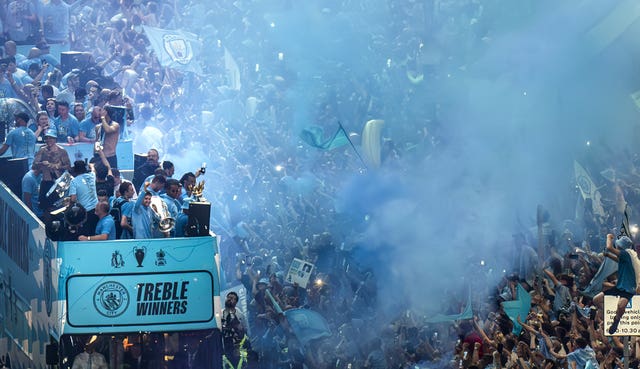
(196,192)
(199,213)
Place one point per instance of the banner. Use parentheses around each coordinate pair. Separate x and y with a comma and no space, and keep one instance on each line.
(299,272)
(175,49)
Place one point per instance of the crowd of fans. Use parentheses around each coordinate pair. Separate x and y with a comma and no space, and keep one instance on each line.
(267,205)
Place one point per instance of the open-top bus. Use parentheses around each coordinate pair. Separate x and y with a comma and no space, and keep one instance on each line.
(151,303)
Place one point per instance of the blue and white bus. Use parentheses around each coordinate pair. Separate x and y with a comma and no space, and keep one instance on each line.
(136,303)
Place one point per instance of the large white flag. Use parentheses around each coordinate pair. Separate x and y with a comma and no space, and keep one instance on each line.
(233,72)
(175,49)
(588,189)
(372,141)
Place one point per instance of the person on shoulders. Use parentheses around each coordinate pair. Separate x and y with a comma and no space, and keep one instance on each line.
(106,227)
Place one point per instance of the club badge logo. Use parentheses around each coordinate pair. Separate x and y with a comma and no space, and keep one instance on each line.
(111,299)
(178,48)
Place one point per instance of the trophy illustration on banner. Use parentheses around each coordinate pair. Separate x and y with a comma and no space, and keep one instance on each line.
(139,253)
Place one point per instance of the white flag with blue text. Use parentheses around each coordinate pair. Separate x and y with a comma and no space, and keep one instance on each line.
(175,48)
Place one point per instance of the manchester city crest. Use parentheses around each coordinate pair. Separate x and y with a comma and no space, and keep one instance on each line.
(178,48)
(111,299)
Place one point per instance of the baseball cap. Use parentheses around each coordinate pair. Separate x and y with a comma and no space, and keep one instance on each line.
(624,242)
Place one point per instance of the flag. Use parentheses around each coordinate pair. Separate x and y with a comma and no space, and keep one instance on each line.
(625,229)
(175,49)
(519,307)
(307,324)
(588,189)
(233,71)
(613,25)
(607,268)
(466,314)
(585,183)
(314,136)
(371,141)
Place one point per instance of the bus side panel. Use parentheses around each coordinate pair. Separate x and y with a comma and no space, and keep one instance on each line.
(28,284)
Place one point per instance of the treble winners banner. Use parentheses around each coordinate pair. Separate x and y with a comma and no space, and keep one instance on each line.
(175,49)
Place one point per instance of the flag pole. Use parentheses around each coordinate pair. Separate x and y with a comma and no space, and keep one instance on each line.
(624,227)
(274,302)
(352,145)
